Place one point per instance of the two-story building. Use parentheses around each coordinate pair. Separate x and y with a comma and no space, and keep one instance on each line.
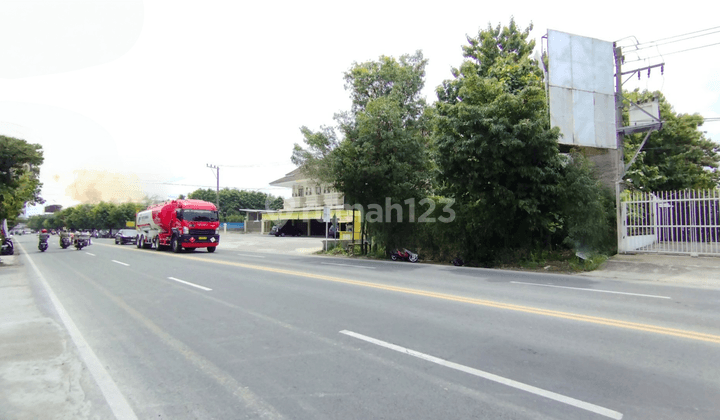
(304,208)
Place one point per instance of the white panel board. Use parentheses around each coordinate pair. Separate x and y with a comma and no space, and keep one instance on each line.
(561,101)
(561,61)
(605,121)
(581,71)
(638,117)
(584,118)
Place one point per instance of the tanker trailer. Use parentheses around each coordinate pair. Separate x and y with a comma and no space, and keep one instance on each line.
(179,224)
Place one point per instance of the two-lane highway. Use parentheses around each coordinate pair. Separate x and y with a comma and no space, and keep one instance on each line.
(247,335)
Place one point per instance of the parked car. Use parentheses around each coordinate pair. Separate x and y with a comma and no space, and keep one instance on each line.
(126,236)
(289,230)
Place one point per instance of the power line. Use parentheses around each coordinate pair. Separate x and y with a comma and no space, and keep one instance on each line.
(201,186)
(674,52)
(269,164)
(638,48)
(677,36)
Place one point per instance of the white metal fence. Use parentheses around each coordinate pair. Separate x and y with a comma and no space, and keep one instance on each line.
(679,222)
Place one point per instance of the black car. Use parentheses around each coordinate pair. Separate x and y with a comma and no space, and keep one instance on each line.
(289,230)
(126,236)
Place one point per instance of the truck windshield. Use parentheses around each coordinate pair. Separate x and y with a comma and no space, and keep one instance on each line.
(200,215)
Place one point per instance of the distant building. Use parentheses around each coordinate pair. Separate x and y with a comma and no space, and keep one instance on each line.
(304,208)
(41,210)
(53,208)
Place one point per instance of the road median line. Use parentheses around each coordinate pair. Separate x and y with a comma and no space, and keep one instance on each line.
(693,335)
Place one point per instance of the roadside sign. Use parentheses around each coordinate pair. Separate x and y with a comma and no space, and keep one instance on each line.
(326,214)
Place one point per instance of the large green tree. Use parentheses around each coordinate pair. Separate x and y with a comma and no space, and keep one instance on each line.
(382,158)
(496,152)
(677,157)
(19,176)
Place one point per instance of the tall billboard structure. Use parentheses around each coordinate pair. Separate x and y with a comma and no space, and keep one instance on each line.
(581,90)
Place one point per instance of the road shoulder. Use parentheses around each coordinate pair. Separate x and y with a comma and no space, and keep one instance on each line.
(40,369)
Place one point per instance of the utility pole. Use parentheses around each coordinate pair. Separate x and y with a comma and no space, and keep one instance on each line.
(620,141)
(622,131)
(217,191)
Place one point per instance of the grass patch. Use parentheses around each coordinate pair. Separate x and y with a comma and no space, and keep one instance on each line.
(564,261)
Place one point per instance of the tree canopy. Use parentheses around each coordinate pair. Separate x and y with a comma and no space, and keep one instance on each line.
(496,152)
(19,176)
(382,157)
(677,157)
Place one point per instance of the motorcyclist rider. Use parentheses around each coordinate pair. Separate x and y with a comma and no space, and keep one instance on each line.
(44,235)
(64,234)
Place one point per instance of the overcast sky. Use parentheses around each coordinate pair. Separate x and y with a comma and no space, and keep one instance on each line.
(131,98)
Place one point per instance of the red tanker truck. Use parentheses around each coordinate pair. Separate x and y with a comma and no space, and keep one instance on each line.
(178,224)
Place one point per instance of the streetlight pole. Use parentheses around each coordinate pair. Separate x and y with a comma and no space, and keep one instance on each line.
(217,191)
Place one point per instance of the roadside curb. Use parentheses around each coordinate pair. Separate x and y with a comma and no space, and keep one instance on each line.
(683,270)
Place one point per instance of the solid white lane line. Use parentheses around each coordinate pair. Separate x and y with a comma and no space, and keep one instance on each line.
(492,377)
(92,255)
(591,290)
(190,284)
(121,263)
(349,265)
(116,400)
(249,255)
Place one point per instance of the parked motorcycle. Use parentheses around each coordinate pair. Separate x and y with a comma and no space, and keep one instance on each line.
(404,255)
(7,247)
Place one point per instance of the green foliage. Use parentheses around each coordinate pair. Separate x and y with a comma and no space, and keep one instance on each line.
(507,43)
(312,158)
(123,213)
(232,199)
(496,152)
(36,222)
(588,209)
(384,152)
(19,176)
(233,218)
(203,194)
(100,215)
(675,158)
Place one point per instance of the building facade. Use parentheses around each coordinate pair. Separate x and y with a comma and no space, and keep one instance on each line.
(304,209)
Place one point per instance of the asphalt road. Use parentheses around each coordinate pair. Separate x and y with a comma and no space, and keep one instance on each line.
(233,335)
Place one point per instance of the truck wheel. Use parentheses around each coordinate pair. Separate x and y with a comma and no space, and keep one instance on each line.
(139,242)
(175,245)
(211,248)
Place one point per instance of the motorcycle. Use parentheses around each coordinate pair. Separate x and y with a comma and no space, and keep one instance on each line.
(81,241)
(404,255)
(65,242)
(7,247)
